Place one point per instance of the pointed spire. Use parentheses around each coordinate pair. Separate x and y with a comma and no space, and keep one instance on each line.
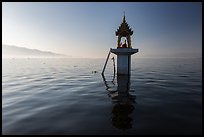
(124,16)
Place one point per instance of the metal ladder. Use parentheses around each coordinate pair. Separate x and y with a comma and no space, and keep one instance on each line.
(107,61)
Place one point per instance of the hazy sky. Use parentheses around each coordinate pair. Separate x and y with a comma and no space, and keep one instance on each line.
(87,29)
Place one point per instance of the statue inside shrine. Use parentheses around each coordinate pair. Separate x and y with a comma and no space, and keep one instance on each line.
(124,45)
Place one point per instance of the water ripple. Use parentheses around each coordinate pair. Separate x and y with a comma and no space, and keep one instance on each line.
(63,96)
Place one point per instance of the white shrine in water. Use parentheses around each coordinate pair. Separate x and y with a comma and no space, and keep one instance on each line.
(124,51)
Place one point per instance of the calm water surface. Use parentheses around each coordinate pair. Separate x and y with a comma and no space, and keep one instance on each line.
(69,96)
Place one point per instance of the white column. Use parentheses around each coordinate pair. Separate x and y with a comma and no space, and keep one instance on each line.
(123,64)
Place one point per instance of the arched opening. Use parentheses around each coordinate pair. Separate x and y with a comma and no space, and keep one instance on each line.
(123,42)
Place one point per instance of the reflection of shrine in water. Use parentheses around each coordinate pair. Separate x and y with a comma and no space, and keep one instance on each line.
(123,102)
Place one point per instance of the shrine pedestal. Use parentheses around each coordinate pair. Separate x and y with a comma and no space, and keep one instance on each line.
(124,59)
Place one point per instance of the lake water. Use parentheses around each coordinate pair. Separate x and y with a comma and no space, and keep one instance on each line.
(70,96)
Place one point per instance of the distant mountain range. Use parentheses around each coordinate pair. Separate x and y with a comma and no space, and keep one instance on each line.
(14,51)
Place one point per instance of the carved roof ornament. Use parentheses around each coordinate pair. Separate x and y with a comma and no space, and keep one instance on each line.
(124,29)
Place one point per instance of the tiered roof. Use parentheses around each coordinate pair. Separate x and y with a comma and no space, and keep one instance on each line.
(124,29)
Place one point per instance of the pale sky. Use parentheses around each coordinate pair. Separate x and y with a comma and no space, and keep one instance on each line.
(87,29)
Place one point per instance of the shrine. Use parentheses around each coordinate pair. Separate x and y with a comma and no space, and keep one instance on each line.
(124,51)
